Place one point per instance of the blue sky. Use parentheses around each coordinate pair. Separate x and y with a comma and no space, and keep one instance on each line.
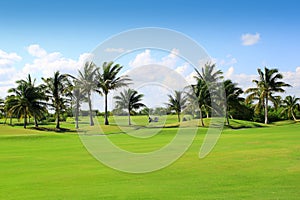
(73,28)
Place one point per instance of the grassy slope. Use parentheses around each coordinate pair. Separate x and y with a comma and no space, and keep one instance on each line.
(256,163)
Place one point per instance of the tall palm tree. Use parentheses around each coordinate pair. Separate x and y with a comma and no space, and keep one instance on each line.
(210,77)
(290,104)
(78,97)
(233,98)
(199,97)
(267,84)
(56,88)
(108,79)
(87,82)
(130,100)
(28,100)
(177,102)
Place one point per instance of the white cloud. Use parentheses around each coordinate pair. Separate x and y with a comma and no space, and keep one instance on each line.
(47,63)
(191,78)
(36,51)
(117,50)
(8,59)
(44,64)
(182,69)
(142,59)
(171,59)
(250,39)
(145,58)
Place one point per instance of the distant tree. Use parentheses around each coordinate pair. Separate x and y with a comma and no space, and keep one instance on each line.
(108,80)
(177,102)
(267,84)
(129,99)
(87,82)
(56,88)
(290,104)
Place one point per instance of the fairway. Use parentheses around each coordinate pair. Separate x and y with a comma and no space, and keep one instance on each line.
(254,163)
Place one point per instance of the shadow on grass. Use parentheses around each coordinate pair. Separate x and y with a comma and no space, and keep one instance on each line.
(60,130)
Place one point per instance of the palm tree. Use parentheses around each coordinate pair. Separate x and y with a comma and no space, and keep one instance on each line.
(87,82)
(199,97)
(56,88)
(290,105)
(130,100)
(78,97)
(209,74)
(177,102)
(9,102)
(267,84)
(233,98)
(108,80)
(210,77)
(28,100)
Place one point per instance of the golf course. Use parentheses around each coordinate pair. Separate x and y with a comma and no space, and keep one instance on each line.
(246,163)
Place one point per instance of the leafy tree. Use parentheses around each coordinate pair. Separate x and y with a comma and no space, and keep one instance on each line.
(108,79)
(233,98)
(267,84)
(56,89)
(129,99)
(87,82)
(177,102)
(290,104)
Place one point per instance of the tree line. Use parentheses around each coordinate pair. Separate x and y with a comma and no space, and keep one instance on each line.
(64,91)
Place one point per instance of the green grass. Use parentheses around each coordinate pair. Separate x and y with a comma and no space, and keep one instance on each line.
(252,163)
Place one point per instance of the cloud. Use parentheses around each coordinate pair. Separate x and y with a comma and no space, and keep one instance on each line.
(142,59)
(145,58)
(117,50)
(171,59)
(47,63)
(250,39)
(36,51)
(8,59)
(182,69)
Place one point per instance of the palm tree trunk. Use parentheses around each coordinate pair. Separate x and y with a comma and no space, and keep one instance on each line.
(266,110)
(227,117)
(106,117)
(25,119)
(294,116)
(178,116)
(35,122)
(57,118)
(201,118)
(90,110)
(129,120)
(76,115)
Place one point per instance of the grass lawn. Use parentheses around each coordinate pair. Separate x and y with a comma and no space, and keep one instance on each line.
(252,163)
